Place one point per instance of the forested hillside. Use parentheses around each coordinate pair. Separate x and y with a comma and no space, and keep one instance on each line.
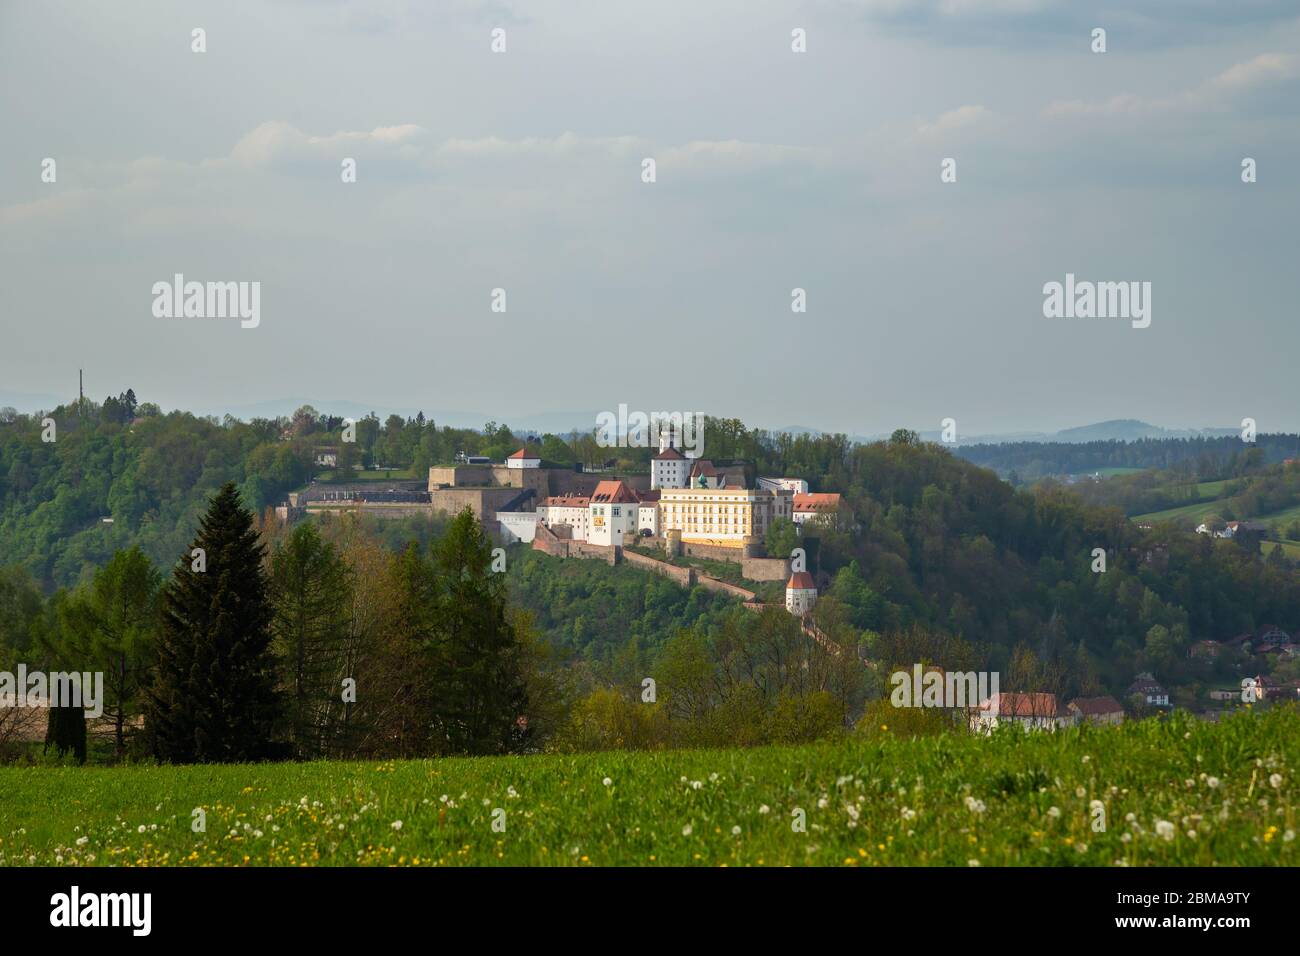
(932,541)
(1029,461)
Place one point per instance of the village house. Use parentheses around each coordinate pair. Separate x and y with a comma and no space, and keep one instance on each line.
(1096,710)
(1032,711)
(1147,689)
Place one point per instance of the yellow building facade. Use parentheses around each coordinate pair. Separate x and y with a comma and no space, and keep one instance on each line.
(725,517)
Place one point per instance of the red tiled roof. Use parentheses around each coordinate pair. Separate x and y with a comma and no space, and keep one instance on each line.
(613,491)
(567,501)
(1021,705)
(647,497)
(669,454)
(801,581)
(817,502)
(524,453)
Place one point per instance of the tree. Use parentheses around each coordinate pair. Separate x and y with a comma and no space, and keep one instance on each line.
(310,588)
(346,459)
(479,691)
(213,698)
(66,731)
(782,538)
(109,627)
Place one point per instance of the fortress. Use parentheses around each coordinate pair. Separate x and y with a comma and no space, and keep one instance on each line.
(519,484)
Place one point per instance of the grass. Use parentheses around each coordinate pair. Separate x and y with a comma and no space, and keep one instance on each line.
(392,474)
(1290,549)
(1110,472)
(1197,512)
(1276,520)
(1198,794)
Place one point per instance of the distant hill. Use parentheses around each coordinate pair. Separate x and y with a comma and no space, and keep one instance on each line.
(1119,429)
(1129,429)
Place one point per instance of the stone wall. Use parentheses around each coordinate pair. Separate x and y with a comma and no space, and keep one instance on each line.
(718,553)
(484,502)
(683,576)
(765,569)
(384,509)
(545,481)
(713,584)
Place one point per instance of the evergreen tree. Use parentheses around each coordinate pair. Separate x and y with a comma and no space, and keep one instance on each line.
(311,591)
(479,690)
(66,731)
(213,697)
(109,627)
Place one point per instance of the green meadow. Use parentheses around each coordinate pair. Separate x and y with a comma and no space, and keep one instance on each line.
(1165,791)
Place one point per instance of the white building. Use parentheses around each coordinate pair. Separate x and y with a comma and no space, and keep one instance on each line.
(800,593)
(647,511)
(523,458)
(1035,711)
(573,511)
(518,525)
(614,513)
(796,485)
(809,507)
(669,469)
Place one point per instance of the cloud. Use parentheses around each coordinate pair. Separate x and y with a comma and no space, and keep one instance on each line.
(960,118)
(277,141)
(1136,24)
(1218,92)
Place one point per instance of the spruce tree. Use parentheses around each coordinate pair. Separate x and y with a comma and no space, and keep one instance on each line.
(479,689)
(310,584)
(66,731)
(213,698)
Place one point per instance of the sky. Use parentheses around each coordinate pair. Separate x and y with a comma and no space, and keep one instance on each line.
(775,170)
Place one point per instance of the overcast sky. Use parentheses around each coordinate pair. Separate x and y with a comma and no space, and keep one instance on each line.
(775,170)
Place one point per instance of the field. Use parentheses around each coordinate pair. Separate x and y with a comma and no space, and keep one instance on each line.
(1171,791)
(1289,548)
(1112,471)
